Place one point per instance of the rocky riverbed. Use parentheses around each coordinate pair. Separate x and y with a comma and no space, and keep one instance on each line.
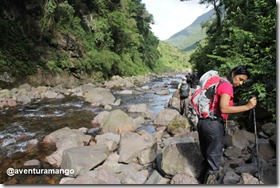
(131,133)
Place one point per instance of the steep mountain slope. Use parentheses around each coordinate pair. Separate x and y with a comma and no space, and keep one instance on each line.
(82,39)
(172,58)
(187,38)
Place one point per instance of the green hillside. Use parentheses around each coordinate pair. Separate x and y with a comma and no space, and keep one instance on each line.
(188,38)
(172,58)
(175,52)
(84,39)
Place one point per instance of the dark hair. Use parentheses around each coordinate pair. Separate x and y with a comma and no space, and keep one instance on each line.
(240,69)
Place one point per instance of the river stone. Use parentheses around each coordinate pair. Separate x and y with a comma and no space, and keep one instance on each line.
(178,124)
(181,158)
(85,158)
(117,122)
(100,95)
(34,163)
(165,116)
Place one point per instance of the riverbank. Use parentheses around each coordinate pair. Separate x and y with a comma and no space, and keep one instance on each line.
(137,145)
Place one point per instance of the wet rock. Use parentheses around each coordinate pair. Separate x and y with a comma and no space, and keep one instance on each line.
(34,163)
(23,99)
(94,131)
(51,94)
(163,92)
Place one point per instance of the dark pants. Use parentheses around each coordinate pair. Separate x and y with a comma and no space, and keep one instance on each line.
(184,106)
(211,139)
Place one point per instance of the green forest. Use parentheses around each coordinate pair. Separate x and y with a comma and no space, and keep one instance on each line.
(94,37)
(100,39)
(243,34)
(78,36)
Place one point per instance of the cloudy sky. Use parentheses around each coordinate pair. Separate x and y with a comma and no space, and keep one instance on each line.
(171,16)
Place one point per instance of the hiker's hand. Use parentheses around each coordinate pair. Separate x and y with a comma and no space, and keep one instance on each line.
(252,102)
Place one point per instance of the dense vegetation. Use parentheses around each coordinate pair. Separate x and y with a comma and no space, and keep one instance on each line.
(96,37)
(172,59)
(245,35)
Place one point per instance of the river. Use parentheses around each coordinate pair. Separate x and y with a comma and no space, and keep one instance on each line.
(21,124)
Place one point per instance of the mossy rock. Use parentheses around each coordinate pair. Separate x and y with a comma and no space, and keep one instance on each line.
(178,124)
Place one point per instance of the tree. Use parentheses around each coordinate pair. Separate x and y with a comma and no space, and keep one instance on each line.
(247,36)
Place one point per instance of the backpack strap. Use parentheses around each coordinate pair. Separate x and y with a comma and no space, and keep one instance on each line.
(215,98)
(179,85)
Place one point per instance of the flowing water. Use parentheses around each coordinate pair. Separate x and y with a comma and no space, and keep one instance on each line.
(34,121)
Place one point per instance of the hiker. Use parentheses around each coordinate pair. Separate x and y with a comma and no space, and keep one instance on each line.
(184,91)
(211,132)
(192,79)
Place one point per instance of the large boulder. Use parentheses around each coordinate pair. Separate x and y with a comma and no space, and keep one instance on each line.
(178,124)
(99,95)
(141,109)
(182,157)
(165,116)
(117,122)
(235,137)
(83,159)
(134,147)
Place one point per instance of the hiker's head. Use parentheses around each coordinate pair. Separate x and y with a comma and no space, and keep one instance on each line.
(184,79)
(238,75)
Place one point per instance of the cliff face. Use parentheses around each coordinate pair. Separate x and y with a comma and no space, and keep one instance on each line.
(81,39)
(26,42)
(20,24)
(19,35)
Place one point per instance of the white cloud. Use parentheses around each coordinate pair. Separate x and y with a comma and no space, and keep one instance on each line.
(171,16)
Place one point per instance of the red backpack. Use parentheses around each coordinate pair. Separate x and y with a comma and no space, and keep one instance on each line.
(202,100)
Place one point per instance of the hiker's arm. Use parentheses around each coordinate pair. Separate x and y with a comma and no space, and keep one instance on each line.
(226,109)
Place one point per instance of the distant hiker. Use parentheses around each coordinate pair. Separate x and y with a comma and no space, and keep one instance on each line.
(192,79)
(211,130)
(184,92)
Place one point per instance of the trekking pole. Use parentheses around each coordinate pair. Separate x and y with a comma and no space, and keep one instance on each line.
(257,144)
